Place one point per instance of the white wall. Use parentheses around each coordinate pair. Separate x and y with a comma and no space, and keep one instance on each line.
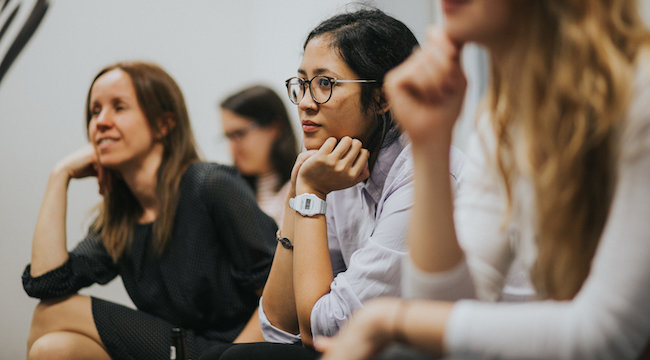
(210,47)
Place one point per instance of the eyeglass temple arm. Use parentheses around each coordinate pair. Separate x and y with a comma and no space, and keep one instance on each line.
(356,81)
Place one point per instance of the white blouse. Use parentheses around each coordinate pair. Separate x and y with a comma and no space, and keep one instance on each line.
(610,316)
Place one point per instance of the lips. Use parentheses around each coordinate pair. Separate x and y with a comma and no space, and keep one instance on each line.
(105,142)
(309,126)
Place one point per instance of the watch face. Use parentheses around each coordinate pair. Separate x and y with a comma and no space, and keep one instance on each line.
(307,204)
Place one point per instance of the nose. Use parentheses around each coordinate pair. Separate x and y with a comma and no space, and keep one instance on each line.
(307,103)
(104,119)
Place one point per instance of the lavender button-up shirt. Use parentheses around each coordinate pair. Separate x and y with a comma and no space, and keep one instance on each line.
(366,231)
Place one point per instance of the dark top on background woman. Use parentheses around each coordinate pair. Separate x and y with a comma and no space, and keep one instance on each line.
(205,280)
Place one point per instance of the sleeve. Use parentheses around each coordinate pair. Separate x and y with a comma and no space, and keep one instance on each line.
(374,269)
(87,264)
(478,215)
(610,316)
(250,233)
(274,334)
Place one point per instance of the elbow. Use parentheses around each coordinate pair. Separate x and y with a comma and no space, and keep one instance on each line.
(304,323)
(306,339)
(278,316)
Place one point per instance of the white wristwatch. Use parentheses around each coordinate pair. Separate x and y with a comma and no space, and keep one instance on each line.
(308,204)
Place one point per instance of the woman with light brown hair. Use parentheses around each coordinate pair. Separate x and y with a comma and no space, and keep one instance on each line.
(558,178)
(186,237)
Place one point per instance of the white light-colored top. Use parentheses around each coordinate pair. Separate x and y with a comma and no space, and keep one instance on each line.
(366,231)
(270,200)
(608,319)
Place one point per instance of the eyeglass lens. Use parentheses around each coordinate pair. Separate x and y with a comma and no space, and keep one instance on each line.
(320,88)
(239,134)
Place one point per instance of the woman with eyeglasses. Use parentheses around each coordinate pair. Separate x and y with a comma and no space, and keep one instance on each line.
(262,144)
(558,177)
(186,237)
(351,192)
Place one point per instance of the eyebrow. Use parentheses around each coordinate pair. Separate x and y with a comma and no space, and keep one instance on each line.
(318,71)
(112,99)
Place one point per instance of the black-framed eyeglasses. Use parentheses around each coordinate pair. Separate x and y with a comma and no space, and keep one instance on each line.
(239,134)
(320,87)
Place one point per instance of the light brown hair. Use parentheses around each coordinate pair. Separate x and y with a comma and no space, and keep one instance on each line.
(562,108)
(162,102)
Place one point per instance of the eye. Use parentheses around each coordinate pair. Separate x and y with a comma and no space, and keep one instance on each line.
(234,135)
(95,110)
(119,106)
(324,82)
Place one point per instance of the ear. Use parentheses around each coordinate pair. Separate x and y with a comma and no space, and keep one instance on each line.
(381,104)
(165,124)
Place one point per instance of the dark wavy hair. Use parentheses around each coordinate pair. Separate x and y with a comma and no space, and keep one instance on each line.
(371,43)
(263,106)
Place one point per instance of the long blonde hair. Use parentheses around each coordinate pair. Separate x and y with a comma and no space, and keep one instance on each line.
(164,107)
(567,99)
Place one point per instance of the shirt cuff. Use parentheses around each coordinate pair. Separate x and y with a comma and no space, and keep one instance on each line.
(450,285)
(455,328)
(272,333)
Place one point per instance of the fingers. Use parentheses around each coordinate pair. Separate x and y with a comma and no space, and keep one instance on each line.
(300,160)
(80,163)
(360,166)
(303,156)
(334,166)
(343,147)
(432,72)
(352,158)
(437,38)
(328,146)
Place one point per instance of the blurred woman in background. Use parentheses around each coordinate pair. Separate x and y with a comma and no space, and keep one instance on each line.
(262,144)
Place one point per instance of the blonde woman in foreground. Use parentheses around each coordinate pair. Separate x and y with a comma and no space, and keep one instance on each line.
(558,178)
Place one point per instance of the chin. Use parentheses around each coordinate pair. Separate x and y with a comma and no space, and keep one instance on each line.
(313,145)
(246,172)
(314,142)
(458,32)
(109,162)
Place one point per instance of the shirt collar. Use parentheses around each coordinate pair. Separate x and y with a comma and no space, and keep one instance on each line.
(387,155)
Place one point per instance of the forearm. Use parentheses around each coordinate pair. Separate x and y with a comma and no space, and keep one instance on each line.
(312,269)
(382,321)
(432,238)
(278,296)
(421,324)
(49,243)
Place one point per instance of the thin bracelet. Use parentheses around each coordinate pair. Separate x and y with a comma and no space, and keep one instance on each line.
(398,322)
(286,243)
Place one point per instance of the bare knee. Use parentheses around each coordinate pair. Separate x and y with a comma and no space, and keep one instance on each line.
(65,314)
(42,321)
(52,346)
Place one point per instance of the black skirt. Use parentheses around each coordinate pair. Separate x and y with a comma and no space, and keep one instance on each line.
(136,335)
